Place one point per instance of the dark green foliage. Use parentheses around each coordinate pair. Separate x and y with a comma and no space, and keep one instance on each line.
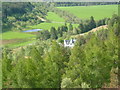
(87,25)
(102,22)
(92,23)
(6,68)
(53,33)
(65,4)
(28,70)
(81,27)
(90,64)
(14,8)
(113,20)
(43,35)
(34,54)
(70,27)
(64,28)
(61,40)
(54,66)
(59,32)
(81,40)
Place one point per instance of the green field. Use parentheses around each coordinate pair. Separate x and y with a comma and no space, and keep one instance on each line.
(15,39)
(99,11)
(47,26)
(15,35)
(54,17)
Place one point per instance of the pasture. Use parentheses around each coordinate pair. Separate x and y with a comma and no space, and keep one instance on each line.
(99,11)
(15,35)
(53,17)
(14,39)
(47,26)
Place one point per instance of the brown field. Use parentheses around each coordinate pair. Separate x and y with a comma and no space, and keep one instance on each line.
(11,41)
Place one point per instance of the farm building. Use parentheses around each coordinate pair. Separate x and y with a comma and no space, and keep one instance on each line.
(69,43)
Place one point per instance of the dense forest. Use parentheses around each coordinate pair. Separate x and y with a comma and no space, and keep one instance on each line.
(93,62)
(48,64)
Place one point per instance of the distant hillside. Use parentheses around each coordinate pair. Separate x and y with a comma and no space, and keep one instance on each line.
(14,8)
(83,3)
(17,15)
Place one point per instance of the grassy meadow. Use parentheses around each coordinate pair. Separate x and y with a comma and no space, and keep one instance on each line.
(99,11)
(14,39)
(15,35)
(53,17)
(47,26)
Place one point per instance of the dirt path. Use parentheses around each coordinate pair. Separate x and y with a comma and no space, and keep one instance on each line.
(99,28)
(41,18)
(93,30)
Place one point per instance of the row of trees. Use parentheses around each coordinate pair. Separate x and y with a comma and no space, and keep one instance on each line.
(68,30)
(53,33)
(82,3)
(50,65)
(69,17)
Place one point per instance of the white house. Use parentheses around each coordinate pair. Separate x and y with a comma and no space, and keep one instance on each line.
(69,43)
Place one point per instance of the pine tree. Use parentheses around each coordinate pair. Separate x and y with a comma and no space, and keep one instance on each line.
(29,72)
(53,33)
(81,27)
(59,32)
(6,69)
(70,27)
(75,68)
(54,65)
(92,23)
(46,34)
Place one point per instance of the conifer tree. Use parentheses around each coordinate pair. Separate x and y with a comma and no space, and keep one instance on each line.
(6,69)
(70,27)
(28,72)
(54,65)
(81,27)
(53,33)
(92,23)
(59,32)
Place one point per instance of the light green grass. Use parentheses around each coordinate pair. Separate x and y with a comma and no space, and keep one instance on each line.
(15,35)
(47,26)
(54,17)
(99,11)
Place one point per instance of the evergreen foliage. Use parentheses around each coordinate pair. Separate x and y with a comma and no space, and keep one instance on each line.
(48,64)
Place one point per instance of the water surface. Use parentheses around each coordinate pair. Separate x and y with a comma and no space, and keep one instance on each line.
(32,30)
